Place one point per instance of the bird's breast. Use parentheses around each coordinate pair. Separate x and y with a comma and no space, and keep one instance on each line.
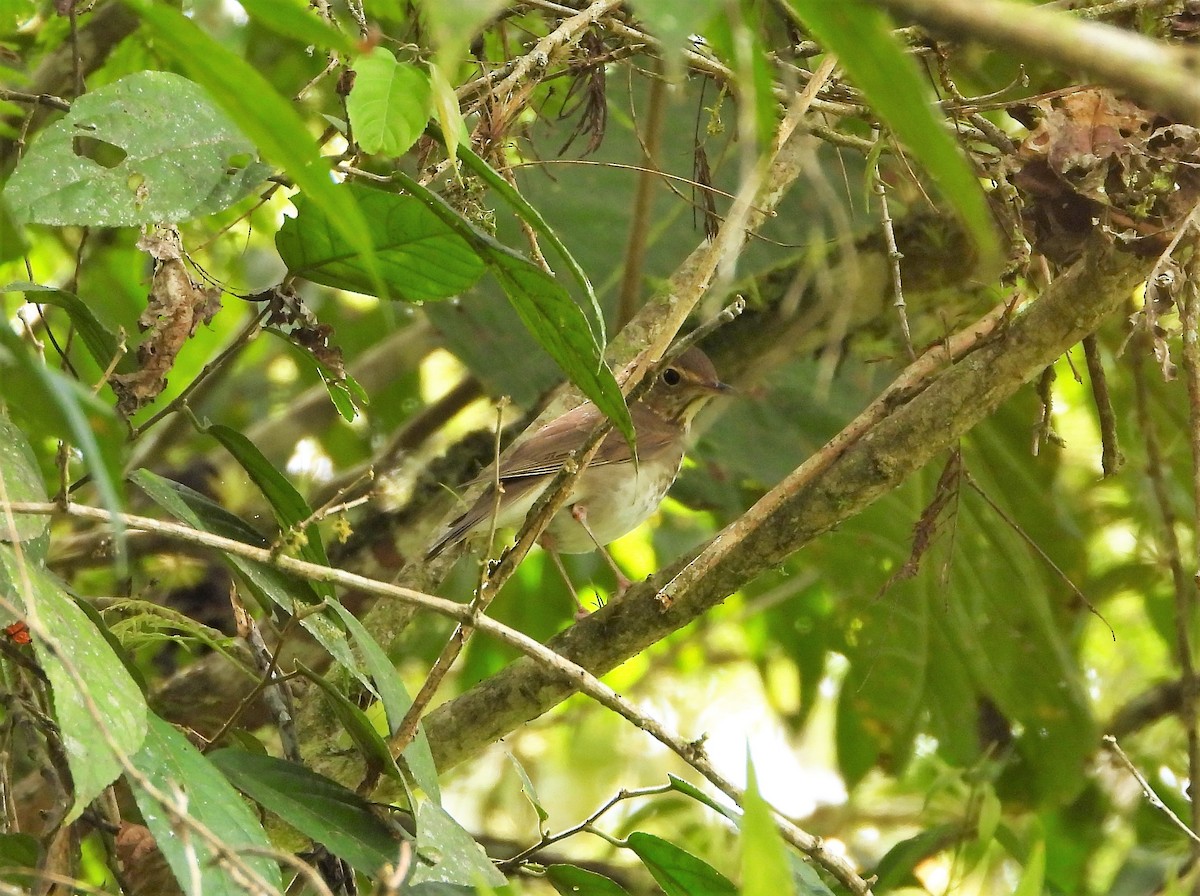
(617,500)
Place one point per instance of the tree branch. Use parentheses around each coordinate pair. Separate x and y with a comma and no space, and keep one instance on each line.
(812,500)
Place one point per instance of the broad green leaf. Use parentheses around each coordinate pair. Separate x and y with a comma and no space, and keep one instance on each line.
(453,854)
(298,20)
(861,35)
(570,880)
(558,325)
(389,104)
(101,342)
(355,723)
(396,701)
(418,256)
(314,805)
(270,586)
(148,148)
(556,322)
(679,873)
(176,769)
(22,482)
(765,867)
(263,115)
(48,404)
(98,707)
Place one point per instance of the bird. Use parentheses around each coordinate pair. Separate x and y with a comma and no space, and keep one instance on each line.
(614,494)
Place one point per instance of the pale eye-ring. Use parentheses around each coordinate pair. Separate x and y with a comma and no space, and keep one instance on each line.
(671,376)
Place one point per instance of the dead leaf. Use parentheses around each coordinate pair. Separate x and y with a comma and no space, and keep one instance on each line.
(144,869)
(1092,159)
(176,306)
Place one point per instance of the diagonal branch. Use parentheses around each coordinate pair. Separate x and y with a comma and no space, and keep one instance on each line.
(917,420)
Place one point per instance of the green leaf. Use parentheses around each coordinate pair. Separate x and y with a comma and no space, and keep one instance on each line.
(19,851)
(389,104)
(530,792)
(1033,875)
(289,506)
(679,873)
(417,755)
(370,744)
(22,482)
(765,867)
(97,705)
(806,879)
(531,216)
(102,343)
(48,404)
(418,257)
(148,148)
(861,36)
(547,311)
(314,805)
(455,856)
(299,21)
(263,115)
(895,869)
(12,239)
(270,586)
(171,765)
(570,880)
(690,790)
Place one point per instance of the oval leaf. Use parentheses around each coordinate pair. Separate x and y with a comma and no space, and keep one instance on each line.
(177,769)
(314,805)
(150,147)
(418,256)
(389,103)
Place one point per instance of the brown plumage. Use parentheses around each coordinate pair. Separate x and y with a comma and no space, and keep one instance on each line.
(613,494)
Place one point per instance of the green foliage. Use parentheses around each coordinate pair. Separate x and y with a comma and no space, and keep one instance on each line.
(319,808)
(924,685)
(149,148)
(389,104)
(194,789)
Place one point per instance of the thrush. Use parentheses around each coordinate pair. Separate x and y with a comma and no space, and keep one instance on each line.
(613,495)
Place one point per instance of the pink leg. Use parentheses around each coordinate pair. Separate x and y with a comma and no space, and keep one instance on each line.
(579,514)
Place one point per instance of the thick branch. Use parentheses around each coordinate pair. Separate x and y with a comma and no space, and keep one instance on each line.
(1156,74)
(803,506)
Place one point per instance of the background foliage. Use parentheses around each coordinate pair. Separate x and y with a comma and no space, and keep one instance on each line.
(266,269)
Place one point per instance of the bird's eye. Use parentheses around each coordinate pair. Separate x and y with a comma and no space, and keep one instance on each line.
(671,376)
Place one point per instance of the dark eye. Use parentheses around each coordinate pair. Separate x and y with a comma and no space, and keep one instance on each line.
(671,376)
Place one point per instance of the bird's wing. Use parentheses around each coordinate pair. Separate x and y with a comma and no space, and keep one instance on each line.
(545,451)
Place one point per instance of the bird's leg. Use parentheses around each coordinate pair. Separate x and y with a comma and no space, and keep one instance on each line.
(579,514)
(581,612)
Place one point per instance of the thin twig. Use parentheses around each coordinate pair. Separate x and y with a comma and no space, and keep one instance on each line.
(1184,585)
(1155,800)
(577,677)
(1111,458)
(895,256)
(1037,549)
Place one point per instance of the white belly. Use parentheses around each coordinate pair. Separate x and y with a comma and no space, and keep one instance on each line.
(614,501)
